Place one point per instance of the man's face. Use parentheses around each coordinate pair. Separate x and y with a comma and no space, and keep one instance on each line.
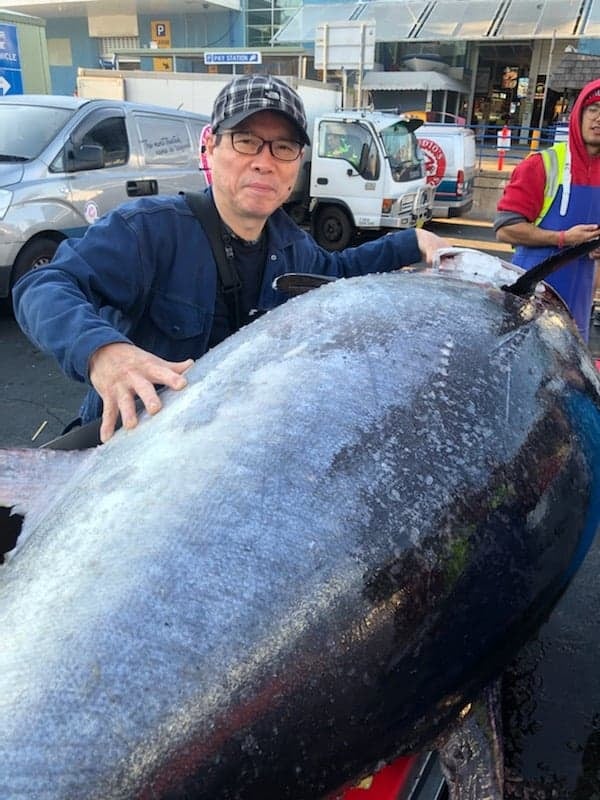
(590,128)
(250,187)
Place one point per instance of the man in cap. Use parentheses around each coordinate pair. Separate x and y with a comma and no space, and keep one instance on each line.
(553,201)
(129,305)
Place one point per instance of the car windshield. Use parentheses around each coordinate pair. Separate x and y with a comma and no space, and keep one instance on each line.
(26,130)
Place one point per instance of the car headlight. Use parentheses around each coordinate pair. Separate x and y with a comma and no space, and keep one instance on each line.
(5,201)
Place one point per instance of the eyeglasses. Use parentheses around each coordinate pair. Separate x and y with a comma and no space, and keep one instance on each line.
(593,110)
(250,145)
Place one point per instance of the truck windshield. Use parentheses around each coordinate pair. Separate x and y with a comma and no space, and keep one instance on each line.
(26,130)
(403,152)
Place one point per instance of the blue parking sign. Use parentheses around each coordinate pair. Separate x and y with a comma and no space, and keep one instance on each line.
(11,77)
(11,82)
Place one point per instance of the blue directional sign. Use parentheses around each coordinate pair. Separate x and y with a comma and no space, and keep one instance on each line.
(11,77)
(245,57)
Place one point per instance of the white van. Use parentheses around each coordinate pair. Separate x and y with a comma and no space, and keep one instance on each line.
(450,159)
(66,161)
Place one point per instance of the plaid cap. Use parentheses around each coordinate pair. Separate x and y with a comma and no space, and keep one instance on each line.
(247,94)
(592,97)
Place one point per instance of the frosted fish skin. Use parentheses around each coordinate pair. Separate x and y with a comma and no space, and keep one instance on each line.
(311,559)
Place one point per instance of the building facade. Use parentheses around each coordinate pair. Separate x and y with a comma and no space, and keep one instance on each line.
(485,61)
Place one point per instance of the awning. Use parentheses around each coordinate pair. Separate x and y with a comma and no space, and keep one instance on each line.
(412,81)
(469,20)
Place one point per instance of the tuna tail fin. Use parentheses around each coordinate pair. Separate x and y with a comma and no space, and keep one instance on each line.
(25,488)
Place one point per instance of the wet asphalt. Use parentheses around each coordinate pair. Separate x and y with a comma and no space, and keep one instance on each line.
(34,393)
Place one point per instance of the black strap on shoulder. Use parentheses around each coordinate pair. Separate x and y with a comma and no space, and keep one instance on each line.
(205,212)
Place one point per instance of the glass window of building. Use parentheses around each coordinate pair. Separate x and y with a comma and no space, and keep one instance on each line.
(265,17)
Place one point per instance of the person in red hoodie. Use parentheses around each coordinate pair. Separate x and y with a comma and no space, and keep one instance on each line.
(553,201)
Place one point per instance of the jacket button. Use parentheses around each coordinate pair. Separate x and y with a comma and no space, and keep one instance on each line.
(273,258)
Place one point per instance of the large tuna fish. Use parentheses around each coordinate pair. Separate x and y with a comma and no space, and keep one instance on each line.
(312,558)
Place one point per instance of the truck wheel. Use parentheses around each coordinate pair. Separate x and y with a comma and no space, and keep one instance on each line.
(333,229)
(35,254)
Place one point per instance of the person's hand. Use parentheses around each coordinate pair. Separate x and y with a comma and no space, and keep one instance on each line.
(428,243)
(579,234)
(120,372)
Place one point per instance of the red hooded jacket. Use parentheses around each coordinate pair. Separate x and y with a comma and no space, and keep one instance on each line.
(524,193)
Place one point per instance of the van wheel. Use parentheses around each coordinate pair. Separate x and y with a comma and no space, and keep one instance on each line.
(35,254)
(332,228)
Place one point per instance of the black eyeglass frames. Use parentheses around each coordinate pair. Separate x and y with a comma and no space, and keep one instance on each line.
(249,144)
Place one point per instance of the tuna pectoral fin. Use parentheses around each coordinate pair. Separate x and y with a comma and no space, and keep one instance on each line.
(472,755)
(28,482)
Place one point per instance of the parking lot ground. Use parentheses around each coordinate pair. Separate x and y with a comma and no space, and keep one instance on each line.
(469,232)
(34,393)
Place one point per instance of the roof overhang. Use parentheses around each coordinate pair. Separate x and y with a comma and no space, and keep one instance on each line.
(446,20)
(574,71)
(412,82)
(157,9)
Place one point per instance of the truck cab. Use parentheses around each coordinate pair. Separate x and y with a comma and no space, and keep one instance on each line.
(364,171)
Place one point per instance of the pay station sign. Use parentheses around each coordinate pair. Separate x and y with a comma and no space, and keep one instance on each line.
(11,77)
(245,57)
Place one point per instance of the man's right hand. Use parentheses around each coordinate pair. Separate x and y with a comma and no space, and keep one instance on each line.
(120,372)
(579,234)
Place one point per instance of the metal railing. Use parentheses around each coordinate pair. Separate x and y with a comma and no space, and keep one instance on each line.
(501,146)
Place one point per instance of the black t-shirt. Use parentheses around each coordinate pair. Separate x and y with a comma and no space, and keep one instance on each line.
(249,261)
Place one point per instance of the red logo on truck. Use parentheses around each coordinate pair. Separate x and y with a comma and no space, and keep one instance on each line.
(435,161)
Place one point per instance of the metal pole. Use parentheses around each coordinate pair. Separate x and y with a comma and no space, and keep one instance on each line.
(548,68)
(325,53)
(360,65)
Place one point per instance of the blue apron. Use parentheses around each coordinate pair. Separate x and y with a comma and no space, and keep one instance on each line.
(574,282)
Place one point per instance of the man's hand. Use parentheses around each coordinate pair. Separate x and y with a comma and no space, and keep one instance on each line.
(579,234)
(120,372)
(428,244)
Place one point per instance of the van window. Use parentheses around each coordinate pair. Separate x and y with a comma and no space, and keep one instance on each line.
(26,130)
(165,140)
(111,135)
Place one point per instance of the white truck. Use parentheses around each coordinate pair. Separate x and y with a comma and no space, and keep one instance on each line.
(364,172)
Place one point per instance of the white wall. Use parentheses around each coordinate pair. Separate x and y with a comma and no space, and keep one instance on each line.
(190,91)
